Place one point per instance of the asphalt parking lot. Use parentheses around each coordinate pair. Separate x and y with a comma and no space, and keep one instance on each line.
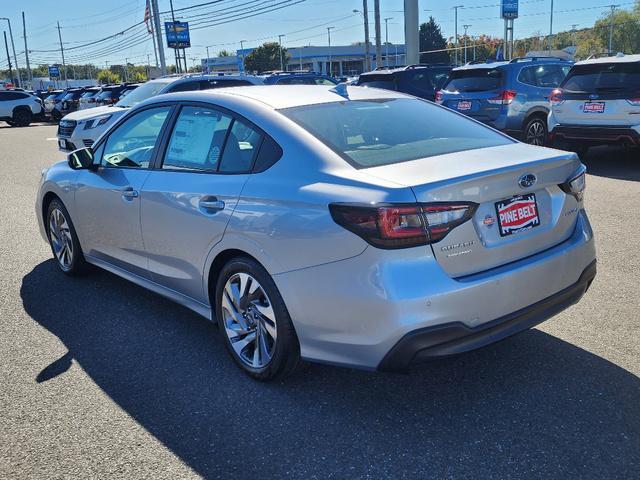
(100,378)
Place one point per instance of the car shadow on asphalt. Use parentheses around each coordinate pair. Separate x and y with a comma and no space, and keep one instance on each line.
(532,406)
(613,162)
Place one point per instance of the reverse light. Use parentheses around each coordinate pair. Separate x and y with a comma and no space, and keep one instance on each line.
(505,98)
(402,225)
(438,99)
(556,97)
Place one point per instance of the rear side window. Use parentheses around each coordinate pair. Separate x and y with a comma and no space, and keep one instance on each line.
(439,77)
(8,96)
(185,87)
(474,80)
(197,140)
(603,78)
(270,152)
(296,81)
(377,81)
(549,76)
(240,149)
(527,76)
(369,133)
(207,84)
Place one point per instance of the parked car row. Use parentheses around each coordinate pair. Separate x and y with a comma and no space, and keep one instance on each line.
(62,102)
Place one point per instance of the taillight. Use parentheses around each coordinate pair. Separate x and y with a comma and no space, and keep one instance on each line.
(505,98)
(634,101)
(556,97)
(576,185)
(402,225)
(438,96)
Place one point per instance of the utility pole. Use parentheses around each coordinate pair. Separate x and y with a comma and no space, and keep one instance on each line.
(156,23)
(466,27)
(13,48)
(456,31)
(64,66)
(376,18)
(411,38)
(280,51)
(573,33)
(550,26)
(207,47)
(386,39)
(176,51)
(148,66)
(126,70)
(26,52)
(242,53)
(613,9)
(6,45)
(473,40)
(367,51)
(329,35)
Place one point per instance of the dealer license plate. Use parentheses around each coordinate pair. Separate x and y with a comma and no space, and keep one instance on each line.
(517,214)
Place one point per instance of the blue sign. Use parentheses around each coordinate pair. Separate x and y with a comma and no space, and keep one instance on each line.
(54,71)
(509,9)
(177,34)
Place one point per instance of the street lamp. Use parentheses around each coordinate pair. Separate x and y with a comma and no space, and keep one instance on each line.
(329,35)
(466,27)
(365,17)
(386,39)
(280,49)
(456,30)
(242,53)
(13,48)
(126,70)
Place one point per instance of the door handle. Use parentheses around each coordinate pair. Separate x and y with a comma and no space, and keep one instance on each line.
(129,193)
(211,204)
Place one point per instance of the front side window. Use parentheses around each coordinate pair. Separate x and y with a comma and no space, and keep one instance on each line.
(197,140)
(132,144)
(369,133)
(240,149)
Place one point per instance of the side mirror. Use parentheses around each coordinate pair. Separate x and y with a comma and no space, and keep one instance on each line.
(81,159)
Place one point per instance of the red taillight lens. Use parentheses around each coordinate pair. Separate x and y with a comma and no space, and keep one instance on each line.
(556,97)
(634,101)
(439,96)
(505,98)
(401,226)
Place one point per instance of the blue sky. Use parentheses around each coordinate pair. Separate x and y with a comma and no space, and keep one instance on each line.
(87,20)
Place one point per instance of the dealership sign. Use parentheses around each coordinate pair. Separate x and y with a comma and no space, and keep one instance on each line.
(54,71)
(177,34)
(509,9)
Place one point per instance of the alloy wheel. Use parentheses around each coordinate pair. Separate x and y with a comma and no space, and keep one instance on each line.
(249,320)
(61,241)
(536,134)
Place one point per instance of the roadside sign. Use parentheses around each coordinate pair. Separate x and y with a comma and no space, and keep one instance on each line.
(54,71)
(509,9)
(177,34)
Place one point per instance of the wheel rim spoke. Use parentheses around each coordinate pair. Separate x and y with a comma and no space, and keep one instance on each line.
(249,320)
(61,239)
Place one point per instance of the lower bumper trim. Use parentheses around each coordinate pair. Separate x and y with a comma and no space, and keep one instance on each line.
(455,338)
(597,134)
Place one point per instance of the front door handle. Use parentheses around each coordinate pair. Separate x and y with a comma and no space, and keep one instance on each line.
(129,193)
(211,204)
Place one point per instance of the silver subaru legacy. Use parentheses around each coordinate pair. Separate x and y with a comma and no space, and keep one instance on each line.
(345,225)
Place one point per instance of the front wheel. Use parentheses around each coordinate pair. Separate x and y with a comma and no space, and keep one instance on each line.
(535,132)
(22,118)
(63,240)
(254,321)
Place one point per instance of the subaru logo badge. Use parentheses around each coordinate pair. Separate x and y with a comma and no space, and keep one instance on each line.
(527,180)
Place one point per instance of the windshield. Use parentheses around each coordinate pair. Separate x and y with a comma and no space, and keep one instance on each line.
(474,80)
(603,77)
(369,133)
(104,95)
(88,94)
(71,96)
(141,93)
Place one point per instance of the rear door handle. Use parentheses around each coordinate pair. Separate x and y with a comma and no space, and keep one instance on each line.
(129,193)
(211,204)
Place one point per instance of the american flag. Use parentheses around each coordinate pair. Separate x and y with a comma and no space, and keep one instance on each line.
(147,18)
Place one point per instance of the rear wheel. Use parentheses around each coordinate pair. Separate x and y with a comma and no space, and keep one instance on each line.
(22,117)
(535,132)
(254,321)
(63,240)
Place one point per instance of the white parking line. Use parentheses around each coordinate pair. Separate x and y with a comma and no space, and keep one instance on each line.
(50,139)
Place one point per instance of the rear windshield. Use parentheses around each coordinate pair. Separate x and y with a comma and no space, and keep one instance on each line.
(474,80)
(71,95)
(603,77)
(88,94)
(377,81)
(369,133)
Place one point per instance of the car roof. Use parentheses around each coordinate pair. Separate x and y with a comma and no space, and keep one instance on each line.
(478,66)
(223,77)
(409,68)
(619,58)
(285,96)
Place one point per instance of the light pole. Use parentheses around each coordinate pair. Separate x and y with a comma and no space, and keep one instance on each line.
(573,33)
(329,38)
(386,39)
(280,51)
(242,53)
(365,17)
(207,59)
(126,70)
(613,9)
(550,25)
(456,30)
(466,27)
(13,48)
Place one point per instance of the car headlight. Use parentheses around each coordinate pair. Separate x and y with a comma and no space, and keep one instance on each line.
(96,122)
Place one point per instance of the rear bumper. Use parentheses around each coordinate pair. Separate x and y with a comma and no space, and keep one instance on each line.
(455,338)
(595,134)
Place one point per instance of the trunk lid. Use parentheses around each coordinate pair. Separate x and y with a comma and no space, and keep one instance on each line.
(487,177)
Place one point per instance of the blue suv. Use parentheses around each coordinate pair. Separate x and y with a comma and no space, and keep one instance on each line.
(509,96)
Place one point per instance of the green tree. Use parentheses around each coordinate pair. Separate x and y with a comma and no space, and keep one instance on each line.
(626,31)
(431,39)
(107,76)
(266,57)
(225,53)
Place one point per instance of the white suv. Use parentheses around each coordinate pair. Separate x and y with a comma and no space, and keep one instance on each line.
(18,108)
(597,103)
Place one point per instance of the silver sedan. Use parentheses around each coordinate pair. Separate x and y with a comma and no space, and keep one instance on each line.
(345,225)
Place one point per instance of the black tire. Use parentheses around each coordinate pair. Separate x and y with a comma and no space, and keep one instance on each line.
(22,117)
(535,132)
(285,358)
(77,264)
